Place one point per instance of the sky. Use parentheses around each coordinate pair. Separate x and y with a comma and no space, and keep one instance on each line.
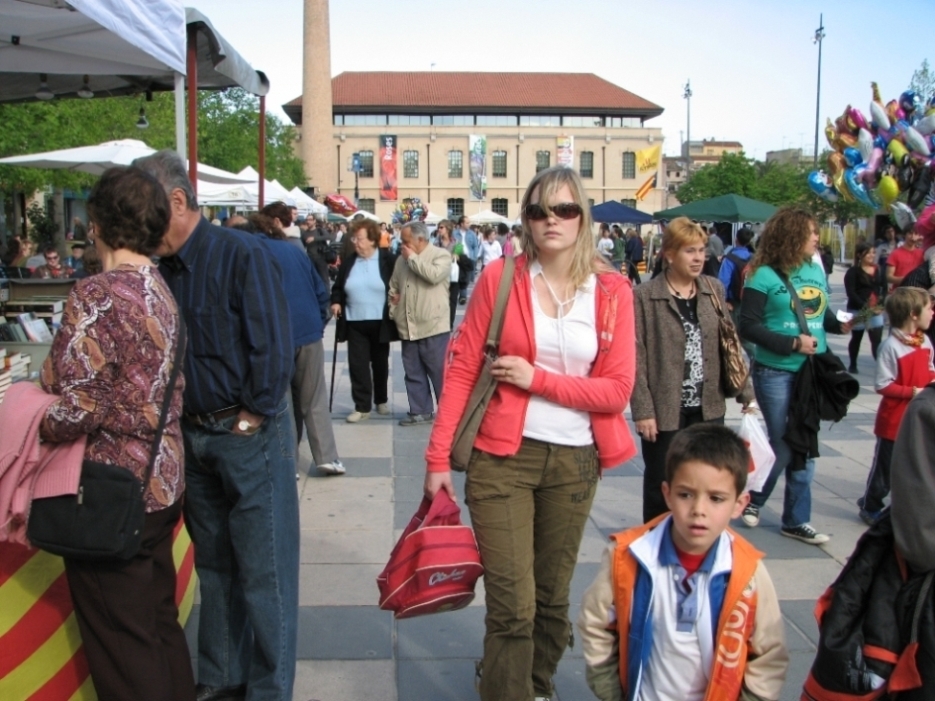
(753,64)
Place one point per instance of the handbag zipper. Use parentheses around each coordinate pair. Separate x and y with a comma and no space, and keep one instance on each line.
(80,495)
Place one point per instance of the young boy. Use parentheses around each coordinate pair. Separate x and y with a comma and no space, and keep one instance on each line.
(904,367)
(682,608)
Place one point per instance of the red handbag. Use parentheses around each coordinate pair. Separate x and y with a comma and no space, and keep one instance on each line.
(434,565)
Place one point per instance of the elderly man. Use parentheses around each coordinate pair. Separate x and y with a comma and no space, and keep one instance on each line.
(241,505)
(419,306)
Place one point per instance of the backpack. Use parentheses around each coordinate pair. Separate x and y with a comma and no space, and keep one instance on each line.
(738,275)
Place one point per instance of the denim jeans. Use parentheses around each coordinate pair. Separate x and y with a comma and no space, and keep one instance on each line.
(242,510)
(773,392)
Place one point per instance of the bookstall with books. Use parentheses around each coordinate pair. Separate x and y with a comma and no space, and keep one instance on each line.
(30,314)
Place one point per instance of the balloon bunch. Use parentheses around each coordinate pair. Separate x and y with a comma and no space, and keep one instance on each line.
(876,160)
(410,209)
(339,204)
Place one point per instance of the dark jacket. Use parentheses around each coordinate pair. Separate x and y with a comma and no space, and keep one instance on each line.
(822,392)
(660,354)
(388,332)
(867,620)
(861,288)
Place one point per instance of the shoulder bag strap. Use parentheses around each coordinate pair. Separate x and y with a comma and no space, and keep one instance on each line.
(166,401)
(717,302)
(796,302)
(499,307)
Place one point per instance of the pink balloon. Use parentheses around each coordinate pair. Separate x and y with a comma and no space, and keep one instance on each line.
(857,118)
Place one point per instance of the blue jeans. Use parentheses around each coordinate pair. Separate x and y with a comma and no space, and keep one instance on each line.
(241,507)
(773,392)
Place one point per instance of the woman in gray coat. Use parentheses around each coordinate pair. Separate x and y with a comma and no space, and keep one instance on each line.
(678,372)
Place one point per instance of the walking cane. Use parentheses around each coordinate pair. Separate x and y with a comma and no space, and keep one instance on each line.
(334,364)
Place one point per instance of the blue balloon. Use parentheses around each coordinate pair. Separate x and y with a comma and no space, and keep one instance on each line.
(852,157)
(853,179)
(821,185)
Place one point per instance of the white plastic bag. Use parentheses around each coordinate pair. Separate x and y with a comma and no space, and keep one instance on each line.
(762,457)
(455,271)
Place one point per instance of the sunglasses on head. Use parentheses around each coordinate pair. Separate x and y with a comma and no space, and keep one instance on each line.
(565,210)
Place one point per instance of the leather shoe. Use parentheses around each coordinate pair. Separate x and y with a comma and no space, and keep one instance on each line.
(220,693)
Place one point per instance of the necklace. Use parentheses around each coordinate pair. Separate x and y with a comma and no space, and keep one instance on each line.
(691,290)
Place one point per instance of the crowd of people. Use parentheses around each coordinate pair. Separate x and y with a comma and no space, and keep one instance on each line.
(583,338)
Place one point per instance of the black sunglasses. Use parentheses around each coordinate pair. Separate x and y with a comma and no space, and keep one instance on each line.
(565,210)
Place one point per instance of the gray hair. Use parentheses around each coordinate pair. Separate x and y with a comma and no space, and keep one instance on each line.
(169,169)
(419,229)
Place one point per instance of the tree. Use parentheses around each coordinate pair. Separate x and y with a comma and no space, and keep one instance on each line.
(228,129)
(923,82)
(733,174)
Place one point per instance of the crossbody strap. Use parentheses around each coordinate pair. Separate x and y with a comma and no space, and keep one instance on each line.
(717,302)
(499,308)
(796,302)
(166,401)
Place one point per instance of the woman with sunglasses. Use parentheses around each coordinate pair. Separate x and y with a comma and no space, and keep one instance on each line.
(565,370)
(678,354)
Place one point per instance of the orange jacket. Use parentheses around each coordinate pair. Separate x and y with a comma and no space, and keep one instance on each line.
(604,393)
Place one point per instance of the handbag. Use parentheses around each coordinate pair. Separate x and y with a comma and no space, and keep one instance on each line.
(734,368)
(434,565)
(104,520)
(486,383)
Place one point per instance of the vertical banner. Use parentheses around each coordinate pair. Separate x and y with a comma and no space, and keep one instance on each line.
(388,191)
(565,147)
(477,154)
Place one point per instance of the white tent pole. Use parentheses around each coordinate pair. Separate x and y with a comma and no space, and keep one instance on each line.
(180,114)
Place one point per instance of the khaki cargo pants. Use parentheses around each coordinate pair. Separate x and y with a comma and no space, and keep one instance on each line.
(528,512)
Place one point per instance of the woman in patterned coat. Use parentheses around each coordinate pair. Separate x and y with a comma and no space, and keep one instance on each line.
(678,371)
(110,365)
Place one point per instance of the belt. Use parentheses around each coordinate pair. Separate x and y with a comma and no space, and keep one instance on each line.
(212,417)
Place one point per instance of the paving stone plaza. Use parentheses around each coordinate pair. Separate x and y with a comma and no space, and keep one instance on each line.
(349,650)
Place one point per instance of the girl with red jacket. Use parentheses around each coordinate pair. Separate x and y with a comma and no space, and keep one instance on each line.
(566,370)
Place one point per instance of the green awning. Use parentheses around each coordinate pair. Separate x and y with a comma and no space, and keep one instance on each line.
(732,208)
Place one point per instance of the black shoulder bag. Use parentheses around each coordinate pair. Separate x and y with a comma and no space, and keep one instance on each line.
(104,520)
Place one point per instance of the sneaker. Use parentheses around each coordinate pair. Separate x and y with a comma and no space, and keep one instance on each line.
(332,468)
(463,300)
(383,409)
(869,517)
(416,419)
(357,416)
(806,534)
(861,501)
(750,516)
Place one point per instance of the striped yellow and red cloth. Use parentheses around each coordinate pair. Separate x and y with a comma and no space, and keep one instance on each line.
(41,658)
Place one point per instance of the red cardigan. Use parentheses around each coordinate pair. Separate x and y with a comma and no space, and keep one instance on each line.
(605,393)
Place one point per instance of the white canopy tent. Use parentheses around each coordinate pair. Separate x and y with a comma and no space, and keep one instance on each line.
(306,205)
(487,217)
(99,157)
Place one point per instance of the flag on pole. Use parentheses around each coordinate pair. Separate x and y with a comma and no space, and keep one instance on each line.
(648,158)
(646,188)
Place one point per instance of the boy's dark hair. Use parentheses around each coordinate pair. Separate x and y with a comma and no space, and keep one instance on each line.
(904,302)
(744,236)
(711,444)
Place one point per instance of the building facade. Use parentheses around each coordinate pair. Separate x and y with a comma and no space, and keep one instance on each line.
(708,151)
(466,142)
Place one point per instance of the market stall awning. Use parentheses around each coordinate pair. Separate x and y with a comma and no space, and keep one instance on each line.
(99,157)
(123,46)
(614,212)
(730,208)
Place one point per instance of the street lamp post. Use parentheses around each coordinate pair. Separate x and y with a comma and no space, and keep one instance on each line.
(688,151)
(819,35)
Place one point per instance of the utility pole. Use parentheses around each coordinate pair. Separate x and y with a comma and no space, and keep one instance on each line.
(819,35)
(688,152)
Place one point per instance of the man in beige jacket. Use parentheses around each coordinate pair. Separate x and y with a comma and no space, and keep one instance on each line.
(419,306)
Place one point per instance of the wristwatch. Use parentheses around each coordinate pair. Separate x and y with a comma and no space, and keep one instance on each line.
(243,425)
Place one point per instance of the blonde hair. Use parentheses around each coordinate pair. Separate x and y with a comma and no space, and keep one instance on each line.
(547,182)
(680,232)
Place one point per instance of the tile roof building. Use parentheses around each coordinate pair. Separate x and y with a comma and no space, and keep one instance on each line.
(448,129)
